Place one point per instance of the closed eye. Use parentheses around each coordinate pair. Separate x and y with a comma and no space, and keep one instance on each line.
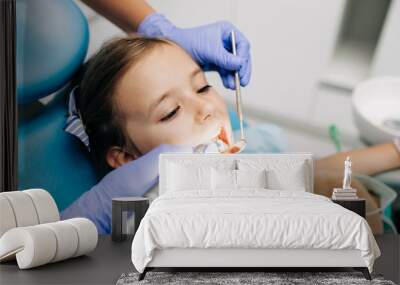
(204,89)
(170,115)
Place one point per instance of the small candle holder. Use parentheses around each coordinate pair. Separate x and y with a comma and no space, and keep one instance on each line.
(126,210)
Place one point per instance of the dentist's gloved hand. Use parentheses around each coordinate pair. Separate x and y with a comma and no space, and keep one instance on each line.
(209,45)
(131,179)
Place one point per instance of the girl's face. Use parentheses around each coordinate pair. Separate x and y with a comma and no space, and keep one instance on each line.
(165,99)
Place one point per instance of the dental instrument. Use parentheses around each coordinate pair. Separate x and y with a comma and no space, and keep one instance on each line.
(241,144)
(220,145)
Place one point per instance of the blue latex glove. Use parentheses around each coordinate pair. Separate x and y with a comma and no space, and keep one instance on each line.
(132,179)
(209,45)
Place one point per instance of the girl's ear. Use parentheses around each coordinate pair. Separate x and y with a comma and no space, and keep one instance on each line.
(117,157)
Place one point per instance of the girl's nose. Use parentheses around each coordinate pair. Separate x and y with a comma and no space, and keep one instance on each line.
(204,111)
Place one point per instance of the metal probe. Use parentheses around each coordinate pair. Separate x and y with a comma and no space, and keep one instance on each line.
(239,110)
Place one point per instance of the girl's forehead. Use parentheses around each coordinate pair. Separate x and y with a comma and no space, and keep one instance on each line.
(161,70)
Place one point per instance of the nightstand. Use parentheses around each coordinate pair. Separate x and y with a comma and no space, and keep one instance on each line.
(122,209)
(356,205)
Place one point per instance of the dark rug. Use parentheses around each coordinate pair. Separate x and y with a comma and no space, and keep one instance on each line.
(228,278)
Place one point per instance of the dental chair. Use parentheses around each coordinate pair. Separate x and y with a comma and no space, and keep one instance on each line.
(48,157)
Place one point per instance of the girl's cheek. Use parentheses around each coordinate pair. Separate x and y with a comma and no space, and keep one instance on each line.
(219,102)
(169,133)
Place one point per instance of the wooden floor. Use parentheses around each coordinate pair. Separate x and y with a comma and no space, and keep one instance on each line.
(389,262)
(106,264)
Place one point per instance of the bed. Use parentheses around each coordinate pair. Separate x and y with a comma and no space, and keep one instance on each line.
(247,210)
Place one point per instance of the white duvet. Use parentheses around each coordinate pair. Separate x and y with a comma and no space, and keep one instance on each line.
(252,218)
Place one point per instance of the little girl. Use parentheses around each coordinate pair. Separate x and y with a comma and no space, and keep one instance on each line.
(137,94)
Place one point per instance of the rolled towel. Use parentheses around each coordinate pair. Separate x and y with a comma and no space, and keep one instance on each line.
(32,246)
(23,208)
(45,205)
(87,234)
(26,208)
(7,218)
(40,244)
(67,240)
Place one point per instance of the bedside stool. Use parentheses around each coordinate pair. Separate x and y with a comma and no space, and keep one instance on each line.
(356,205)
(122,208)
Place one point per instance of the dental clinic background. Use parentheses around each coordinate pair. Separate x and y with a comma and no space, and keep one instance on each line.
(308,57)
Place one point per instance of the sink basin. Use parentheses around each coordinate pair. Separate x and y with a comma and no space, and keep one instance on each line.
(376,109)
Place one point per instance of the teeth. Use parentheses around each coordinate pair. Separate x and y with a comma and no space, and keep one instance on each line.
(222,147)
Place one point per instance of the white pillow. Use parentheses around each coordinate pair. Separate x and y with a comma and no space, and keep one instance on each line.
(223,179)
(251,178)
(188,177)
(282,174)
(293,178)
(229,179)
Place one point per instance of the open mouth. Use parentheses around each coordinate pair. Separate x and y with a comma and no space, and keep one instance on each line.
(225,146)
(221,142)
(222,135)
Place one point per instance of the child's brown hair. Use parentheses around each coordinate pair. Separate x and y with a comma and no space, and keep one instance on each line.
(95,104)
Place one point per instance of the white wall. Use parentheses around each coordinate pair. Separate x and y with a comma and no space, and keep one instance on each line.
(291,43)
(387,60)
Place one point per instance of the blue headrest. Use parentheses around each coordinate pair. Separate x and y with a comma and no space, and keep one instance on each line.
(50,158)
(52,42)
